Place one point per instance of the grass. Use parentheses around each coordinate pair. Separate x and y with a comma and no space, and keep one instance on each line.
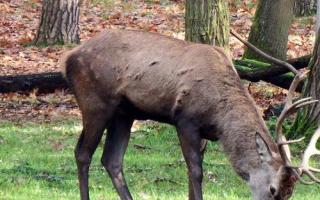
(37,162)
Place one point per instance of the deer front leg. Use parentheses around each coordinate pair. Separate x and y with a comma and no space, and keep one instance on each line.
(190,142)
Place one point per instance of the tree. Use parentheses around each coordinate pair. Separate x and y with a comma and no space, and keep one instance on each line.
(305,7)
(308,118)
(269,31)
(207,21)
(59,22)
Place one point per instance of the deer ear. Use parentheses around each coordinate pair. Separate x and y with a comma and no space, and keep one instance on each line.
(262,149)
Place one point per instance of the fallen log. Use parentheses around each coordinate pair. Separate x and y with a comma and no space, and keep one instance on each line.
(44,82)
(48,82)
(262,70)
(283,81)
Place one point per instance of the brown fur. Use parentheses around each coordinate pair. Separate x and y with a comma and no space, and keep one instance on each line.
(139,75)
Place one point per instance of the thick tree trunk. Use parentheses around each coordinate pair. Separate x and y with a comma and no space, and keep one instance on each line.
(305,7)
(269,31)
(59,22)
(308,118)
(207,21)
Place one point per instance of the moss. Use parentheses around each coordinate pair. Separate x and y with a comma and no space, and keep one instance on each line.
(254,64)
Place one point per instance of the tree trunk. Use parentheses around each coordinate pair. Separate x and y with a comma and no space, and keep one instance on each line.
(207,21)
(59,22)
(308,118)
(318,16)
(305,7)
(269,31)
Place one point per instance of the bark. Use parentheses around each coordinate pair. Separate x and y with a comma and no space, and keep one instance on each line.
(207,21)
(318,16)
(59,22)
(305,7)
(269,31)
(308,118)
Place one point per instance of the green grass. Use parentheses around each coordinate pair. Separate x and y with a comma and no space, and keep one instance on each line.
(37,162)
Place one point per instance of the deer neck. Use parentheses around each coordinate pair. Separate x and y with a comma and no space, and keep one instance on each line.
(239,127)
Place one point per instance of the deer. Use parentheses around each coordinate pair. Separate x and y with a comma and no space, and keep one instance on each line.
(120,76)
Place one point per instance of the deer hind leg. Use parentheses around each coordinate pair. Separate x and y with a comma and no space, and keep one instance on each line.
(114,150)
(190,142)
(203,146)
(96,115)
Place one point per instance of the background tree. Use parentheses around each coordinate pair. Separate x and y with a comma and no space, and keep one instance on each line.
(269,31)
(305,7)
(309,118)
(207,21)
(59,22)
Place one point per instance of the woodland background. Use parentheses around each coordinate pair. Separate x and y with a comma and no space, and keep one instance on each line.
(38,130)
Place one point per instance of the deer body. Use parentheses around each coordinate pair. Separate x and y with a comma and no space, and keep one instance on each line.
(119,76)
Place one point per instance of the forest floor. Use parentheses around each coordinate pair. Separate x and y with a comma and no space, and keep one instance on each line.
(19,21)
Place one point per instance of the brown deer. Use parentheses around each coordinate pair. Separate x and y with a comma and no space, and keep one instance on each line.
(119,76)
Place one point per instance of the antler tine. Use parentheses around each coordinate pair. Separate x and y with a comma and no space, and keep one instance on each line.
(304,181)
(310,151)
(297,172)
(312,177)
(312,169)
(291,141)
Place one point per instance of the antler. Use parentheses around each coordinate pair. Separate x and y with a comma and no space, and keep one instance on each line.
(288,109)
(311,150)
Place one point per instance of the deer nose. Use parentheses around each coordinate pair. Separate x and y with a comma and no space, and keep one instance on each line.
(273,190)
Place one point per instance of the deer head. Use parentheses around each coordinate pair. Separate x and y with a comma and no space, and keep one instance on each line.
(272,180)
(276,179)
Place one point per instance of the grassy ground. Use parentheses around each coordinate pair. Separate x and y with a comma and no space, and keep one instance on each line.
(37,162)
